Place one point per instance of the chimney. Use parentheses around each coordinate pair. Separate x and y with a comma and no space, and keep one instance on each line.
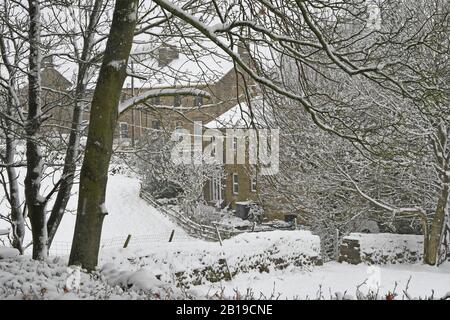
(167,54)
(47,62)
(243,53)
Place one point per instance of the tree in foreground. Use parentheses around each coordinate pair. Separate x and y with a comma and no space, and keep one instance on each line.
(103,118)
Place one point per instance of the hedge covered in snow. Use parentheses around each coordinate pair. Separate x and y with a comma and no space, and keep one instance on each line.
(188,263)
(6,252)
(381,248)
(27,279)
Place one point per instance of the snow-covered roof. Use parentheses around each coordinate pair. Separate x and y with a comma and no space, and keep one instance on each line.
(196,63)
(240,116)
(195,66)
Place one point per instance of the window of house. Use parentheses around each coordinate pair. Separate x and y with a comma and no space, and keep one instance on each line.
(156,124)
(253,184)
(198,101)
(123,130)
(177,101)
(235,183)
(156,101)
(213,151)
(235,144)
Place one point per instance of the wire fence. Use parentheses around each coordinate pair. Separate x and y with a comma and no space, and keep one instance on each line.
(197,230)
(62,248)
(192,228)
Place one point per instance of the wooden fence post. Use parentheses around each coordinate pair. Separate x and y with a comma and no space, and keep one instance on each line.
(218,234)
(127,241)
(224,258)
(337,244)
(171,235)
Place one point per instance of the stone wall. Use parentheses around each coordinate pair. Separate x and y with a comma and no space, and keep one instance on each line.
(264,252)
(381,248)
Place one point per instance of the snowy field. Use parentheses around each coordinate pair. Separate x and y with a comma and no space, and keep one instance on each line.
(334,279)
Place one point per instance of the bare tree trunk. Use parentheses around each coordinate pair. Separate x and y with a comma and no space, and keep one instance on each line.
(104,112)
(35,202)
(433,240)
(17,218)
(433,243)
(65,187)
(17,215)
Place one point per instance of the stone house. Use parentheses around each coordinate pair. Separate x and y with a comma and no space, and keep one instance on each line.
(238,187)
(174,69)
(171,68)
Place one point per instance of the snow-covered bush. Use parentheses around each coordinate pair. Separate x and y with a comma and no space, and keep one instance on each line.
(6,253)
(225,218)
(207,215)
(23,278)
(256,213)
(165,179)
(230,221)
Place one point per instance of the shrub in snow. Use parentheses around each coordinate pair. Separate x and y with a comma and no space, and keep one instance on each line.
(204,214)
(256,213)
(165,179)
(381,248)
(142,279)
(23,278)
(6,253)
(231,222)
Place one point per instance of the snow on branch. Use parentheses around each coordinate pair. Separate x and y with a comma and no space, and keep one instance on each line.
(141,98)
(210,33)
(420,212)
(328,49)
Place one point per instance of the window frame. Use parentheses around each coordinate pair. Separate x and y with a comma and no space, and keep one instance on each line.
(198,101)
(121,130)
(253,184)
(235,183)
(177,101)
(157,126)
(156,100)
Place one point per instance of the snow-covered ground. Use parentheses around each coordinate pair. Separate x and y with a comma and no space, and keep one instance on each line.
(150,230)
(127,214)
(329,281)
(333,277)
